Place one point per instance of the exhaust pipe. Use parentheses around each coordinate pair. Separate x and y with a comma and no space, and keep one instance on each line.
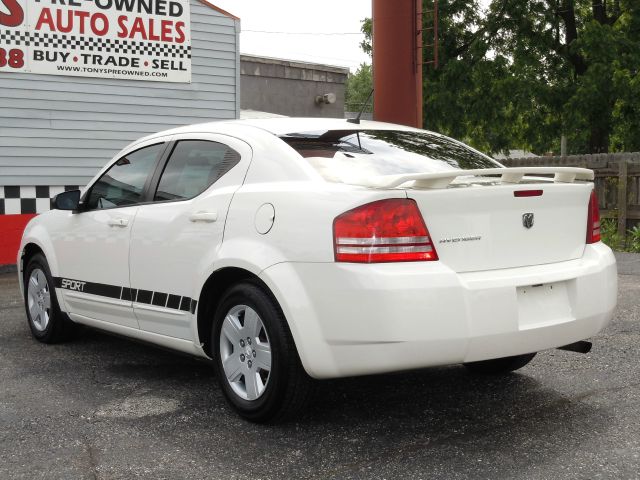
(579,347)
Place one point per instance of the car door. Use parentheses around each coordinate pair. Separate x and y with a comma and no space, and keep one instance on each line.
(92,245)
(175,237)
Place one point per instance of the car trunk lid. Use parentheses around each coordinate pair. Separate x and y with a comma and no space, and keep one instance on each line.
(493,226)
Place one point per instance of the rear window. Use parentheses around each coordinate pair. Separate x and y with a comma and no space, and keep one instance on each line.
(347,155)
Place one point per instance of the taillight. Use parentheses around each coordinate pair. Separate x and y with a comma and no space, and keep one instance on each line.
(384,231)
(593,219)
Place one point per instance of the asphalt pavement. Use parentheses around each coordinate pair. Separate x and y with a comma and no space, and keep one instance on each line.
(103,407)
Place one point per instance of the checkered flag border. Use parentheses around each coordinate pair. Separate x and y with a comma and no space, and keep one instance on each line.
(19,200)
(92,44)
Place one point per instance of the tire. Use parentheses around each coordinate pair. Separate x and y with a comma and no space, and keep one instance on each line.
(240,344)
(47,322)
(500,365)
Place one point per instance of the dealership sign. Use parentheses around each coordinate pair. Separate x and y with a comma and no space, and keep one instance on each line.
(126,39)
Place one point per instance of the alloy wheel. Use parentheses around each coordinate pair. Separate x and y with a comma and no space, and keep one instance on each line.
(245,352)
(39,300)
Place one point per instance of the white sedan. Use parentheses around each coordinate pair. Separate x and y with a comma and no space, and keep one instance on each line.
(290,249)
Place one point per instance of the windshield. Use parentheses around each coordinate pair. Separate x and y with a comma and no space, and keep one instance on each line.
(347,155)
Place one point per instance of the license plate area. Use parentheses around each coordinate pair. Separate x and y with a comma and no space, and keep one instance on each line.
(543,304)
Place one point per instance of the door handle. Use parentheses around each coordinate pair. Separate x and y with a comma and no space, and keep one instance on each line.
(207,217)
(118,222)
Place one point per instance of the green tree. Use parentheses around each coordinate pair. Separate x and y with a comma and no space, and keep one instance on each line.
(524,72)
(358,89)
(360,83)
(367,29)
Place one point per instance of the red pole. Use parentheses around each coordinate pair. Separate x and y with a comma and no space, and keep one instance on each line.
(397,61)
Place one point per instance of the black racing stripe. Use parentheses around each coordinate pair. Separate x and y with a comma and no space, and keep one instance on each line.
(159,299)
(174,302)
(101,289)
(185,304)
(144,296)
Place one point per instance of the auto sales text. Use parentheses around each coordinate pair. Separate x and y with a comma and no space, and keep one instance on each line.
(62,17)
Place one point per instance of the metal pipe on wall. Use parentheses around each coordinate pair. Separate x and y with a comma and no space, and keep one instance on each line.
(397,61)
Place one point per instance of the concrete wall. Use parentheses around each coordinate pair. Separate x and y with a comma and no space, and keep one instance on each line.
(290,88)
(59,130)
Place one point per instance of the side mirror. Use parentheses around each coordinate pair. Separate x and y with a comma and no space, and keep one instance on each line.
(67,200)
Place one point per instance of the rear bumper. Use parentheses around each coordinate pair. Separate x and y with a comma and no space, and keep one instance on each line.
(351,319)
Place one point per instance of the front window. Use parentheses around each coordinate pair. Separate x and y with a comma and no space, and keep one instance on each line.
(347,155)
(123,183)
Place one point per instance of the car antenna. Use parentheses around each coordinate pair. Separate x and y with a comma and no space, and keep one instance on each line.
(357,119)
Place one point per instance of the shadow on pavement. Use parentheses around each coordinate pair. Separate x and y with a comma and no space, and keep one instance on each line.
(351,424)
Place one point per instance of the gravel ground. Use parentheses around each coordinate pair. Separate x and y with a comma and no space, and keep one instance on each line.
(103,407)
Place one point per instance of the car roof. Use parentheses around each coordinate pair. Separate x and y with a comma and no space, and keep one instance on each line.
(275,126)
(281,126)
(285,125)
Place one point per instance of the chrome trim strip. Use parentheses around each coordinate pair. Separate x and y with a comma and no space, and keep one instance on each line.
(380,240)
(372,250)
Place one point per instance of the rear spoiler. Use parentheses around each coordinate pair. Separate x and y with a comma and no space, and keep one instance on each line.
(507,175)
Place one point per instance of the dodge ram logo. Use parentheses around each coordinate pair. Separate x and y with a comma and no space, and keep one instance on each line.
(527,220)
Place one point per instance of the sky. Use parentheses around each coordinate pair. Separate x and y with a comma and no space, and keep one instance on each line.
(321,32)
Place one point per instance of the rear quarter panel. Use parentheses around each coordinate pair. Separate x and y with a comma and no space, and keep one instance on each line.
(303,225)
(302,231)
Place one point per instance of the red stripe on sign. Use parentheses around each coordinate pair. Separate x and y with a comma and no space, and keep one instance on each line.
(11,228)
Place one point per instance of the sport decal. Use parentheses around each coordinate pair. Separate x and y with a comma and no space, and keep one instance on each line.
(72,284)
(125,39)
(158,299)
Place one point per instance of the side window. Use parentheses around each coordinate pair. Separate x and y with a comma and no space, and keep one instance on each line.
(193,167)
(123,183)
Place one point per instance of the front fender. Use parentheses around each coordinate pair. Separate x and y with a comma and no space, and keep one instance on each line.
(36,234)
